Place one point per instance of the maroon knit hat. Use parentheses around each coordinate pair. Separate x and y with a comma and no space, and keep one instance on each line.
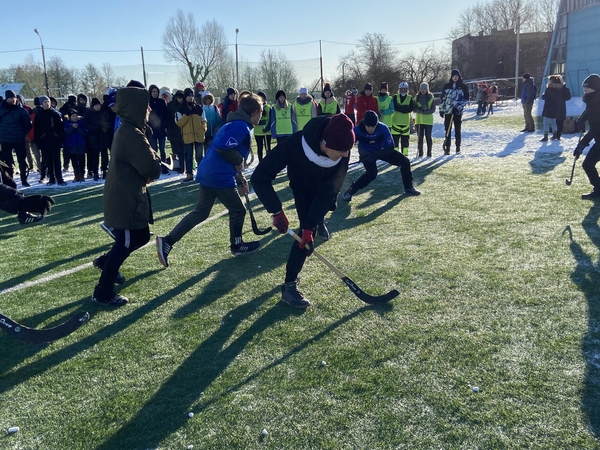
(338,134)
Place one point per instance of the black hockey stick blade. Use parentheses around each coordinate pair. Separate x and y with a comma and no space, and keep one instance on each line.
(39,336)
(255,228)
(362,295)
(568,181)
(370,299)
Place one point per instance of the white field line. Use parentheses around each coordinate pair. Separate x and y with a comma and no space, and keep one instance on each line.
(55,276)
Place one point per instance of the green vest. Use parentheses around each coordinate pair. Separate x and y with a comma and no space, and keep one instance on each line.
(401,121)
(264,121)
(424,119)
(303,113)
(328,108)
(385,118)
(283,121)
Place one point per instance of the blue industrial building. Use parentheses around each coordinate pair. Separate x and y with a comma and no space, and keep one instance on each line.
(574,50)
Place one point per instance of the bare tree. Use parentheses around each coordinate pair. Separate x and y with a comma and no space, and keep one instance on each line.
(427,66)
(277,73)
(199,50)
(91,81)
(179,41)
(530,16)
(62,79)
(374,60)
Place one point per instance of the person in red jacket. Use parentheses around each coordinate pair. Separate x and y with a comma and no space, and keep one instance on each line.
(365,102)
(351,104)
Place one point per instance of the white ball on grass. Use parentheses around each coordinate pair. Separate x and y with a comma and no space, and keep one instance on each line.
(191,414)
(13,429)
(475,389)
(265,432)
(323,363)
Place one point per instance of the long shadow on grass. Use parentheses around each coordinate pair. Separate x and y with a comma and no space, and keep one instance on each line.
(181,392)
(48,267)
(587,277)
(544,162)
(224,271)
(513,146)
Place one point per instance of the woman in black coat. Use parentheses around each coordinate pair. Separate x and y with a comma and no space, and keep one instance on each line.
(555,98)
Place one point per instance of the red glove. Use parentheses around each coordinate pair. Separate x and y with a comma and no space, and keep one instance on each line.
(308,242)
(280,222)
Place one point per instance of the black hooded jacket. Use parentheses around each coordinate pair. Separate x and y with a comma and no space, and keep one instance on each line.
(307,179)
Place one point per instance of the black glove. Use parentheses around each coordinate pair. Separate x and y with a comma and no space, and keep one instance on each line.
(441,114)
(578,151)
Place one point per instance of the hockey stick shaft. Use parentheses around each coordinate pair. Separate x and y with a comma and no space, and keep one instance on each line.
(570,180)
(351,284)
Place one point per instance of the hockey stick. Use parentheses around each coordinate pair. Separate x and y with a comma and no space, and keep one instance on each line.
(371,300)
(570,180)
(35,336)
(446,145)
(255,228)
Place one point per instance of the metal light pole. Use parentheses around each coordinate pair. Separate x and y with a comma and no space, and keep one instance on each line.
(44,60)
(237,67)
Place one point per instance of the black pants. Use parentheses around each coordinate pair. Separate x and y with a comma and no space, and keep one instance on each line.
(126,242)
(206,199)
(51,164)
(589,165)
(78,162)
(7,156)
(424,131)
(262,142)
(455,119)
(401,141)
(395,159)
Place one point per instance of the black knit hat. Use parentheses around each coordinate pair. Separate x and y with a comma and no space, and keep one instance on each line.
(279,94)
(230,91)
(371,119)
(136,83)
(455,72)
(526,76)
(187,92)
(95,102)
(383,85)
(368,86)
(9,94)
(592,82)
(262,95)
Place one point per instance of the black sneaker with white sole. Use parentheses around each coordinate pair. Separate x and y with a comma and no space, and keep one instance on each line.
(244,248)
(292,296)
(114,300)
(323,232)
(412,191)
(26,218)
(98,263)
(163,248)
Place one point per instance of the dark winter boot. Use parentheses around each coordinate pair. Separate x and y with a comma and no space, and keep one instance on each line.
(458,149)
(292,296)
(24,182)
(446,147)
(429,153)
(545,138)
(75,177)
(555,137)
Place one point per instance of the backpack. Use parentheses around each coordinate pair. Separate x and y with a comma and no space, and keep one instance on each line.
(569,126)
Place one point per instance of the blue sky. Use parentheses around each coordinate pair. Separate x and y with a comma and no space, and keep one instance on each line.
(128,25)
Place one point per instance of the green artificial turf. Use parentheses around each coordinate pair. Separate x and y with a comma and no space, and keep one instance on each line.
(496,264)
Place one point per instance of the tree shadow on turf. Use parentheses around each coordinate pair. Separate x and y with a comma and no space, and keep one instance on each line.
(587,277)
(208,362)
